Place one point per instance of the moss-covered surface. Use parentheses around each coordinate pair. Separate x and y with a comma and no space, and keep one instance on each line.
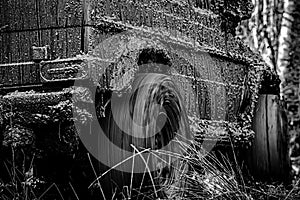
(201,48)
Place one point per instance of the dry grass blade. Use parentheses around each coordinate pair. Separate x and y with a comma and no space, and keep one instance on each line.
(94,171)
(148,169)
(116,165)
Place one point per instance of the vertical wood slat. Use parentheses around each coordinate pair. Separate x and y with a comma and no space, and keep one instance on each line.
(268,156)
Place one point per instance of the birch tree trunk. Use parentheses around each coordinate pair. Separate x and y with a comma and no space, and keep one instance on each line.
(289,63)
(274,32)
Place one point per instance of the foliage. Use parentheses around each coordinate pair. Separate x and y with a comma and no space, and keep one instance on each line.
(220,176)
(261,32)
(273,32)
(18,136)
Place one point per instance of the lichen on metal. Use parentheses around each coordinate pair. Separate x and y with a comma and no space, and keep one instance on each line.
(160,14)
(196,43)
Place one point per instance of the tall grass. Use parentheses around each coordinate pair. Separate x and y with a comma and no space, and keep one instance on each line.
(215,176)
(207,177)
(212,176)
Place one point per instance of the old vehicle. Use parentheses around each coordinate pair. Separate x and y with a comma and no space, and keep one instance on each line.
(53,52)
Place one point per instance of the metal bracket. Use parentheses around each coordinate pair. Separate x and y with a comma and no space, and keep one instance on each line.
(63,70)
(39,54)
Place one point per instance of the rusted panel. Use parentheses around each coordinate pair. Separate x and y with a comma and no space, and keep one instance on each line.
(231,72)
(2,76)
(26,41)
(57,40)
(23,101)
(185,88)
(14,43)
(216,79)
(73,42)
(40,53)
(192,93)
(37,23)
(31,74)
(208,67)
(14,74)
(65,69)
(16,46)
(200,67)
(221,103)
(204,100)
(213,101)
(18,15)
(2,50)
(101,41)
(56,70)
(64,13)
(2,16)
(86,30)
(158,15)
(233,102)
(19,74)
(63,42)
(48,38)
(29,12)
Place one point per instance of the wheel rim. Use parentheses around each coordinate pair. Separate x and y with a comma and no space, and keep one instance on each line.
(170,119)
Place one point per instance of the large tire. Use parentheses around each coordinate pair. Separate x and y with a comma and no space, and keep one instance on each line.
(170,122)
(268,158)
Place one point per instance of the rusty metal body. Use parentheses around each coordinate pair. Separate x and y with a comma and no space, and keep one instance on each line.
(48,46)
(190,31)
